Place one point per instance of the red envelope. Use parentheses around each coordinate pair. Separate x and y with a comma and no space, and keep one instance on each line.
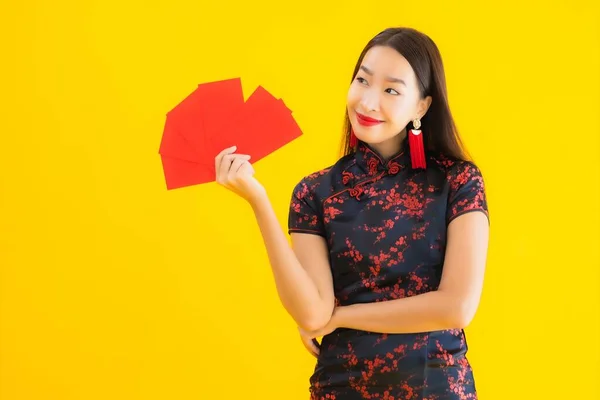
(174,145)
(214,117)
(186,159)
(264,125)
(221,102)
(184,120)
(205,110)
(181,173)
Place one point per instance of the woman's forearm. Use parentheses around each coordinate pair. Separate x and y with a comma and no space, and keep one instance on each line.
(297,291)
(436,310)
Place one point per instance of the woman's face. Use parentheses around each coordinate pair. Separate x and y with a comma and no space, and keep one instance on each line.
(384,97)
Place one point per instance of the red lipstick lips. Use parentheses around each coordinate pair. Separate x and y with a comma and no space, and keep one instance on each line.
(367,121)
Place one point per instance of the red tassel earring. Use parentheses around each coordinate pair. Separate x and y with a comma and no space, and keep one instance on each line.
(417,149)
(353,139)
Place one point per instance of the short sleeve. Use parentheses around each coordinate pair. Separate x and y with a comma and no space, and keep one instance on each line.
(467,191)
(305,214)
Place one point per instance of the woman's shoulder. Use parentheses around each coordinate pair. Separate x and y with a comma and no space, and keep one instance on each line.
(322,180)
(453,166)
(458,173)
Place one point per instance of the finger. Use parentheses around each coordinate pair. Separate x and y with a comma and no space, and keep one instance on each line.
(228,160)
(219,156)
(230,165)
(225,165)
(251,168)
(235,166)
(315,346)
(238,161)
(246,169)
(310,346)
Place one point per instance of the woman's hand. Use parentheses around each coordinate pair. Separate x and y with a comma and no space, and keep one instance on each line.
(309,342)
(308,338)
(234,172)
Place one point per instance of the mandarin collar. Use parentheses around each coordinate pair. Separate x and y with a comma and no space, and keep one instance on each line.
(369,159)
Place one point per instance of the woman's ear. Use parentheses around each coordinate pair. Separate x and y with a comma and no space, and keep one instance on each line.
(424,105)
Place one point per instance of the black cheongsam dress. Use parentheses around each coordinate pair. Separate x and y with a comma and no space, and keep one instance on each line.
(385,225)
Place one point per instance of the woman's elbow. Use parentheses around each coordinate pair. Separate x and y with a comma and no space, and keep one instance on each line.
(316,321)
(462,314)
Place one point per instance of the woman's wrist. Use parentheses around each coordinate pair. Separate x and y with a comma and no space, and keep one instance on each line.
(260,202)
(338,317)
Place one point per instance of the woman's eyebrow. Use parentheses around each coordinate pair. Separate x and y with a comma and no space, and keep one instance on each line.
(388,78)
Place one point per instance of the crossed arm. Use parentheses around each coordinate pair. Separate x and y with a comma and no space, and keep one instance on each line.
(305,286)
(451,306)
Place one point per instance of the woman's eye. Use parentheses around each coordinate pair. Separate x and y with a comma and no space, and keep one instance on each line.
(362,80)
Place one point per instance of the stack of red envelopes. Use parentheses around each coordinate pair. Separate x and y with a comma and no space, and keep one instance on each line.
(214,117)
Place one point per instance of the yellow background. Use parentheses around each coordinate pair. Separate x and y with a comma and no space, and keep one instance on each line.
(113,287)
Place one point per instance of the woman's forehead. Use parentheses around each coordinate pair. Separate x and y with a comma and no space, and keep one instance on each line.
(386,61)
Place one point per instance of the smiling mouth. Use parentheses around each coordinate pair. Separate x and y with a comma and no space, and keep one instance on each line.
(367,121)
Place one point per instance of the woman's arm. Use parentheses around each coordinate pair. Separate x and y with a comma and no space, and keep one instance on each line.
(302,276)
(302,272)
(452,306)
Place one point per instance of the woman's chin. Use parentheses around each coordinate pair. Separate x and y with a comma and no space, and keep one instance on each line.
(370,136)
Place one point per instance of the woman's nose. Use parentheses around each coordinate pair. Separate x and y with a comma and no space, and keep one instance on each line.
(369,101)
